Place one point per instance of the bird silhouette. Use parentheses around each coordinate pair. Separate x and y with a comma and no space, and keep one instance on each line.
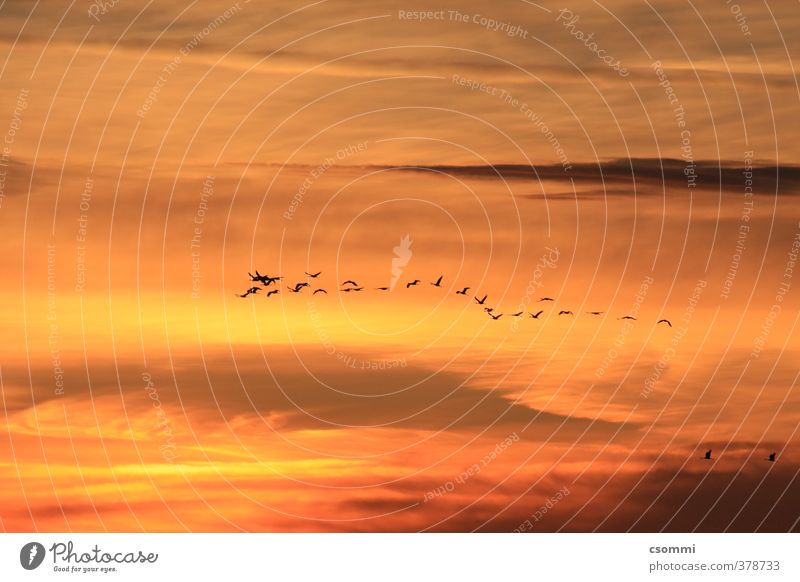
(349,289)
(594,312)
(273,292)
(708,455)
(628,317)
(250,291)
(313,275)
(382,288)
(302,284)
(295,289)
(488,309)
(565,313)
(265,280)
(771,458)
(438,282)
(546,299)
(664,321)
(481,301)
(496,317)
(349,282)
(517,314)
(319,291)
(463,291)
(536,315)
(412,283)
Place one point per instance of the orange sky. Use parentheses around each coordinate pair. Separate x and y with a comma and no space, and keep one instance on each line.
(154,155)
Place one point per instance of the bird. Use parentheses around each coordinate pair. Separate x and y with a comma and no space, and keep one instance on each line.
(628,317)
(349,282)
(319,291)
(250,291)
(771,458)
(594,312)
(265,280)
(481,301)
(295,289)
(412,283)
(438,282)
(382,288)
(519,313)
(664,321)
(708,454)
(565,313)
(463,291)
(313,275)
(303,284)
(546,299)
(488,309)
(349,289)
(496,317)
(536,315)
(273,292)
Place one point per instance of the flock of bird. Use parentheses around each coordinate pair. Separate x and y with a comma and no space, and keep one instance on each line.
(351,286)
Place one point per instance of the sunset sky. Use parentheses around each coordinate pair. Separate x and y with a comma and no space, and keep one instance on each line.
(624,157)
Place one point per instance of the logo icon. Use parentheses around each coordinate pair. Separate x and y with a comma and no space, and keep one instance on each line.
(31,555)
(402,254)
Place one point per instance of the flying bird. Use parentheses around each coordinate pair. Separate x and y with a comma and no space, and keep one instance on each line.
(481,301)
(313,275)
(565,313)
(265,280)
(496,317)
(536,315)
(412,283)
(628,317)
(708,454)
(488,309)
(546,299)
(595,312)
(664,321)
(250,291)
(517,314)
(382,288)
(295,289)
(771,457)
(349,282)
(349,289)
(438,282)
(273,292)
(319,291)
(463,291)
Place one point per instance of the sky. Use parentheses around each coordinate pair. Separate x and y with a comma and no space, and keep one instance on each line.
(629,158)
